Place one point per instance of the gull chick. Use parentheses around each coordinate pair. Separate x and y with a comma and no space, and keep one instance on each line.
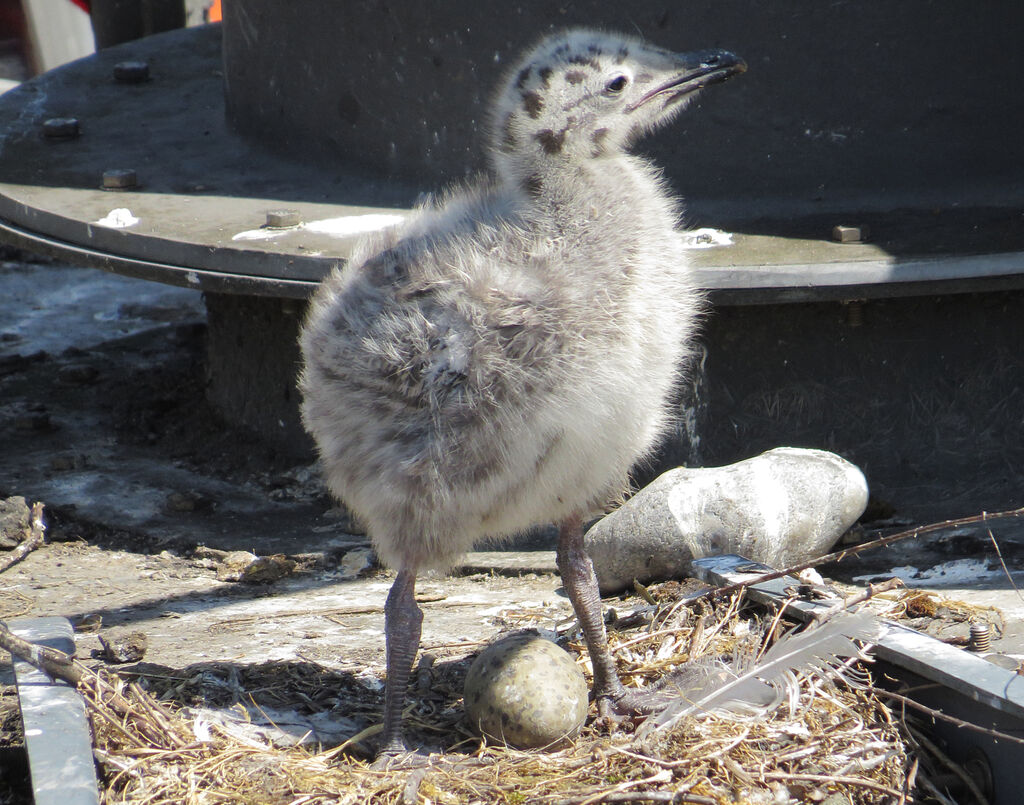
(504,356)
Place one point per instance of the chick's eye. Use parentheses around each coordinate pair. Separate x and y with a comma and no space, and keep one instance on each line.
(616,85)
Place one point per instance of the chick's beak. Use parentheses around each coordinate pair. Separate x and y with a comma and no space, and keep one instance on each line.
(695,71)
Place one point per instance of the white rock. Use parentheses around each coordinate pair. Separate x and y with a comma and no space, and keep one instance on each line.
(784,506)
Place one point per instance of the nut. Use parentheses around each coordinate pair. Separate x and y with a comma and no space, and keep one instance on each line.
(282,219)
(848,234)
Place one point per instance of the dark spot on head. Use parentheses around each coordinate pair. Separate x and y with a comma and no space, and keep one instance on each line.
(533,185)
(545,75)
(585,61)
(643,78)
(575,77)
(533,103)
(599,136)
(523,77)
(551,143)
(349,108)
(622,55)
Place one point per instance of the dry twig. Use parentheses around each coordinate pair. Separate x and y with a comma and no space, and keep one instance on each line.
(1002,562)
(848,603)
(35,536)
(836,556)
(940,716)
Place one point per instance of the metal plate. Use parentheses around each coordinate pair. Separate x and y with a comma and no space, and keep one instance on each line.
(57,736)
(968,674)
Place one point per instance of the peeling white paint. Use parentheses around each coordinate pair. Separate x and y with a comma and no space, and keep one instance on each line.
(958,571)
(120,218)
(706,238)
(342,227)
(348,225)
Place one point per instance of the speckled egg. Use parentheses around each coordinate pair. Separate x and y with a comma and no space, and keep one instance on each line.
(525,691)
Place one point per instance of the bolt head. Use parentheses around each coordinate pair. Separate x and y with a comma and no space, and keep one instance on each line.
(281,219)
(131,72)
(119,179)
(60,128)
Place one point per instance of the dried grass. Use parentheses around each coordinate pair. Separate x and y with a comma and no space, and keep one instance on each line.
(914,603)
(829,740)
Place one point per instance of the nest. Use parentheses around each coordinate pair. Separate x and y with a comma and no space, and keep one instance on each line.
(830,741)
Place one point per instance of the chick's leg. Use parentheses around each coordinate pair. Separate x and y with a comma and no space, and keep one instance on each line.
(577,571)
(402,625)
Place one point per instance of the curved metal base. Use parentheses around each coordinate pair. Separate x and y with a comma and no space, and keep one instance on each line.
(197,216)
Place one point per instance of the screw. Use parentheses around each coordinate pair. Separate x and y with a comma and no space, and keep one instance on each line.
(131,72)
(282,219)
(981,636)
(854,312)
(119,179)
(848,234)
(60,128)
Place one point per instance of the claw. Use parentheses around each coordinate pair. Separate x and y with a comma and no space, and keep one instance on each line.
(400,759)
(630,707)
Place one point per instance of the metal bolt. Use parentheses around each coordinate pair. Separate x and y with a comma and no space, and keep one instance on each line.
(981,636)
(847,234)
(119,179)
(282,219)
(60,128)
(131,72)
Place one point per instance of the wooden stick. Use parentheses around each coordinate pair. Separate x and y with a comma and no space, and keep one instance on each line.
(677,798)
(56,664)
(35,535)
(833,779)
(872,590)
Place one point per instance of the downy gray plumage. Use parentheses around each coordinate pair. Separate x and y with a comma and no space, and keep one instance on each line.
(505,355)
